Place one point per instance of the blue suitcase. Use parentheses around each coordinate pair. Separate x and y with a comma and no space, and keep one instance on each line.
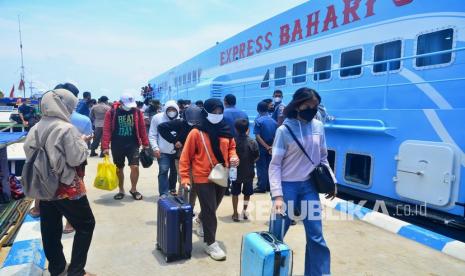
(264,255)
(174,228)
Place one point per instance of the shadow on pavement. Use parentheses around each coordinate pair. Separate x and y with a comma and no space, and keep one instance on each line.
(153,198)
(152,222)
(108,200)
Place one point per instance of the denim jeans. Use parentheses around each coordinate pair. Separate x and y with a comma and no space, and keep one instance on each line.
(263,163)
(317,254)
(173,178)
(164,167)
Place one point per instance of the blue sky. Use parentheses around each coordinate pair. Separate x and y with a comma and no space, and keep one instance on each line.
(115,46)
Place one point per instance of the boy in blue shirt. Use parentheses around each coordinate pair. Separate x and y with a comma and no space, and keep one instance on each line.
(264,130)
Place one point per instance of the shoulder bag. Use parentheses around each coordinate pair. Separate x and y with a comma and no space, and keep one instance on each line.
(320,176)
(219,173)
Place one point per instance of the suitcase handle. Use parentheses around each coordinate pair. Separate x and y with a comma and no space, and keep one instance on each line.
(268,237)
(183,197)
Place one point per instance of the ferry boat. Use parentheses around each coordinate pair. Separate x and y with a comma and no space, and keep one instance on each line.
(392,76)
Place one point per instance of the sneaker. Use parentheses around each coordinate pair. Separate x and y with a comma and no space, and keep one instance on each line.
(245,215)
(215,252)
(197,225)
(93,153)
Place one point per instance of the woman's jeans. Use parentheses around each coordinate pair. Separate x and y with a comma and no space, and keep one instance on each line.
(301,195)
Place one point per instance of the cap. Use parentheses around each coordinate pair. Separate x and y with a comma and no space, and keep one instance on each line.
(128,100)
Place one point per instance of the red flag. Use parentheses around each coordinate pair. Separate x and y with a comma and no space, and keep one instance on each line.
(21,85)
(12,92)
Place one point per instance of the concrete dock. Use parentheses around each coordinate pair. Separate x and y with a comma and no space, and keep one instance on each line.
(125,234)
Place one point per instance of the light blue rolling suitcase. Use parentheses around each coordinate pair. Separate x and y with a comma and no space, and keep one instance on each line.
(262,254)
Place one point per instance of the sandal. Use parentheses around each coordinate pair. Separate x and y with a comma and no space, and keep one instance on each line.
(245,215)
(235,218)
(118,196)
(34,213)
(68,231)
(136,195)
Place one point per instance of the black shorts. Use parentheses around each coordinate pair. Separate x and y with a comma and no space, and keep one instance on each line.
(129,152)
(247,188)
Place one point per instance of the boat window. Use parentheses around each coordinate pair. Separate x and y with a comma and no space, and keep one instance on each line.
(199,71)
(299,71)
(184,79)
(322,64)
(358,168)
(194,76)
(435,42)
(348,59)
(332,159)
(176,81)
(180,80)
(387,51)
(266,80)
(189,77)
(280,75)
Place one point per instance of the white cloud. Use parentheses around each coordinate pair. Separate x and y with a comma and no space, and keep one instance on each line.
(110,60)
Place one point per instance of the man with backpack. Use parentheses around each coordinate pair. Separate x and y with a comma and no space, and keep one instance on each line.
(124,129)
(176,131)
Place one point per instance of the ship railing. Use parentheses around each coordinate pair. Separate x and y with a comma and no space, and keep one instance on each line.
(367,64)
(386,73)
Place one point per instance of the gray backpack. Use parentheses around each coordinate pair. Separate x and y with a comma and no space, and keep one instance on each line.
(38,178)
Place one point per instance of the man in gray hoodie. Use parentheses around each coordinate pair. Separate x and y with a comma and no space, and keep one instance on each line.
(163,150)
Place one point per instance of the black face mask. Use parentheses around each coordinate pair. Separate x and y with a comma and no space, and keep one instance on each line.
(308,114)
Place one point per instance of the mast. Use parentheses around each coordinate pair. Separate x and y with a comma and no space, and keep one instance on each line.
(30,87)
(22,61)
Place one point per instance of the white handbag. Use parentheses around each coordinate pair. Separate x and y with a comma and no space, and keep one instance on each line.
(219,173)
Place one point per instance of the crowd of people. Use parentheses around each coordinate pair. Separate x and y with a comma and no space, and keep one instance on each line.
(187,140)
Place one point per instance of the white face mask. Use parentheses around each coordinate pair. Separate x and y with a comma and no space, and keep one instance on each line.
(127,108)
(278,99)
(172,114)
(214,118)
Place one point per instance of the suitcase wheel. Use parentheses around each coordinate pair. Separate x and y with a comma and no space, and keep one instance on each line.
(169,259)
(157,246)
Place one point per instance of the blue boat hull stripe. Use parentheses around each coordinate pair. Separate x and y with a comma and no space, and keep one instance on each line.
(426,237)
